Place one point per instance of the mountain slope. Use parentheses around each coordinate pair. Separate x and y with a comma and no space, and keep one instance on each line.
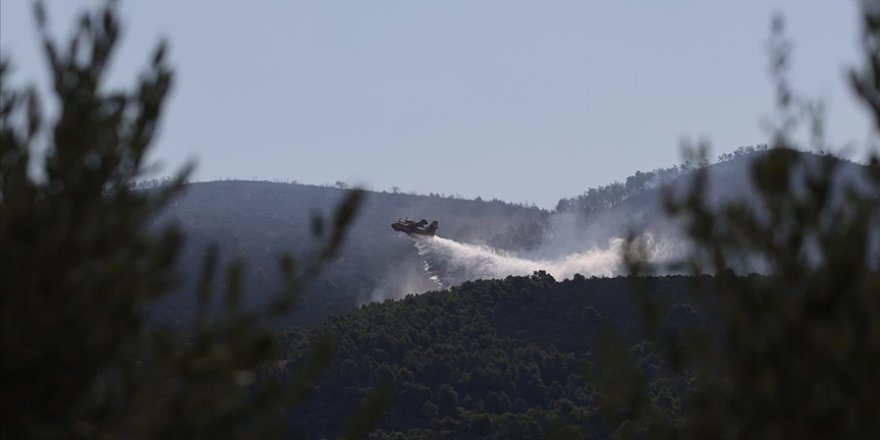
(641,210)
(256,221)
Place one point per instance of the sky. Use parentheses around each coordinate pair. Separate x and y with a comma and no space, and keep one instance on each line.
(525,101)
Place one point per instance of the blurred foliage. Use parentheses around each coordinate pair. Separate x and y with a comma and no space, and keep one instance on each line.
(82,258)
(793,353)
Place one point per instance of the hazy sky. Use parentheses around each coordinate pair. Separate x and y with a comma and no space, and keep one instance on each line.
(527,101)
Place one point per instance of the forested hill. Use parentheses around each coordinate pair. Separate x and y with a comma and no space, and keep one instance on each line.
(637,203)
(256,221)
(603,197)
(512,357)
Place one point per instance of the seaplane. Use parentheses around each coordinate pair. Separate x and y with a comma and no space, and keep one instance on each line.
(415,227)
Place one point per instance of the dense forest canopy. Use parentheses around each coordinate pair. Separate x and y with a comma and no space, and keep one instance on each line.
(505,359)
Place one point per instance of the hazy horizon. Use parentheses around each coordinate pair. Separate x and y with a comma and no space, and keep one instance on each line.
(518,101)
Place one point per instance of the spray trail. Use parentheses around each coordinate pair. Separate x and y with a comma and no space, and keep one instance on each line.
(452,263)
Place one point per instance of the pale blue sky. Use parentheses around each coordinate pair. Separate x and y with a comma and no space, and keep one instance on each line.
(527,101)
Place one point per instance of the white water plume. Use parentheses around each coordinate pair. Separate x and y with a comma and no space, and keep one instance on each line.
(452,263)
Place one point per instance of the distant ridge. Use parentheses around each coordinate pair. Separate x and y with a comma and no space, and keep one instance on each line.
(256,221)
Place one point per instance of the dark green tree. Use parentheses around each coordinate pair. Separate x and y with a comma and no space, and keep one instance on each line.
(82,258)
(793,353)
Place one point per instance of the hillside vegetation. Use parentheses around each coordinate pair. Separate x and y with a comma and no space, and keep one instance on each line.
(257,221)
(505,359)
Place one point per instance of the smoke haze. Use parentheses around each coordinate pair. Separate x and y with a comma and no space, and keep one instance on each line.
(450,262)
(572,244)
